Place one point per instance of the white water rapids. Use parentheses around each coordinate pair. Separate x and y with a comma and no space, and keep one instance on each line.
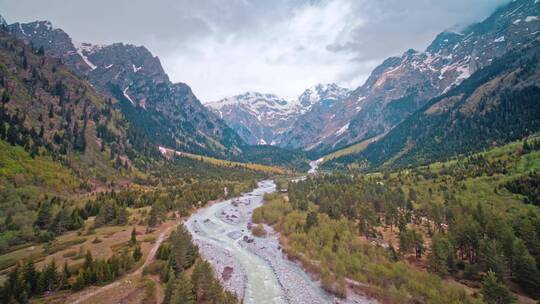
(254,268)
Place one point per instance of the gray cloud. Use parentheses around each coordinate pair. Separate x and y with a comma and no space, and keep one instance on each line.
(222,48)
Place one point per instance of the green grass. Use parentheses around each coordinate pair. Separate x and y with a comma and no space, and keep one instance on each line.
(353,149)
(19,169)
(228,163)
(484,189)
(529,162)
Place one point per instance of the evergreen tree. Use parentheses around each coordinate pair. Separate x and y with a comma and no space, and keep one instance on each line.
(44,216)
(41,51)
(2,130)
(169,287)
(525,270)
(311,220)
(441,260)
(51,111)
(183,291)
(12,136)
(88,260)
(31,277)
(184,252)
(137,253)
(5,97)
(152,220)
(133,239)
(491,257)
(48,277)
(495,292)
(67,272)
(202,278)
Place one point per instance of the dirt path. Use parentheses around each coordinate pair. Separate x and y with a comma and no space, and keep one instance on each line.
(149,259)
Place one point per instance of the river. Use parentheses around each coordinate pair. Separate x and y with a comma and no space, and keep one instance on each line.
(254,268)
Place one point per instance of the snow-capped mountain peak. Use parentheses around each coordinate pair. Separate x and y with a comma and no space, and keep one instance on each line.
(261,118)
(322,92)
(251,99)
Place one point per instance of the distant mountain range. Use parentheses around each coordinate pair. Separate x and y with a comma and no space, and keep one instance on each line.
(395,89)
(265,119)
(325,118)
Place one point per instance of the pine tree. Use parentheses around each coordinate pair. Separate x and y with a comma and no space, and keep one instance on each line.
(51,111)
(491,257)
(133,240)
(495,292)
(2,130)
(152,221)
(441,260)
(88,260)
(12,136)
(202,278)
(5,97)
(311,220)
(525,270)
(67,272)
(137,253)
(31,277)
(25,62)
(41,51)
(48,277)
(44,216)
(184,252)
(169,288)
(183,291)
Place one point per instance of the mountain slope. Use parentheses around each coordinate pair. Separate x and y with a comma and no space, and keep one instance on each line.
(401,85)
(58,117)
(498,104)
(266,118)
(256,117)
(168,113)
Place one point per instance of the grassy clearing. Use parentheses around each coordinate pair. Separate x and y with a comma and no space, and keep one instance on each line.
(70,247)
(226,163)
(356,148)
(18,169)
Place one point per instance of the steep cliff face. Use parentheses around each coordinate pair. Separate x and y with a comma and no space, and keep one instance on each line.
(168,113)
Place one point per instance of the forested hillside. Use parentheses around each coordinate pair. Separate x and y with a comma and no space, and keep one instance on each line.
(498,104)
(473,220)
(74,173)
(57,134)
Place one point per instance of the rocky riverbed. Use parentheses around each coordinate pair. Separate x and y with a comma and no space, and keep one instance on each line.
(254,268)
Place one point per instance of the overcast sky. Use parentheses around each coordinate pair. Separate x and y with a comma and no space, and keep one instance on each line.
(226,47)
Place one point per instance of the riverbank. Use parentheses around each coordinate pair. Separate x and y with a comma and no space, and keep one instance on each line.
(255,269)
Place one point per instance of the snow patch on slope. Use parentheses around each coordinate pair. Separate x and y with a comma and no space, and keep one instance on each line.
(342,129)
(127,96)
(82,47)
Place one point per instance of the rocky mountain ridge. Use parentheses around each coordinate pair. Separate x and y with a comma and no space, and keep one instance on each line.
(496,105)
(401,85)
(263,119)
(167,112)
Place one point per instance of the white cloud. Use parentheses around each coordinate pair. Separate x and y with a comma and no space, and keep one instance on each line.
(222,48)
(284,57)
